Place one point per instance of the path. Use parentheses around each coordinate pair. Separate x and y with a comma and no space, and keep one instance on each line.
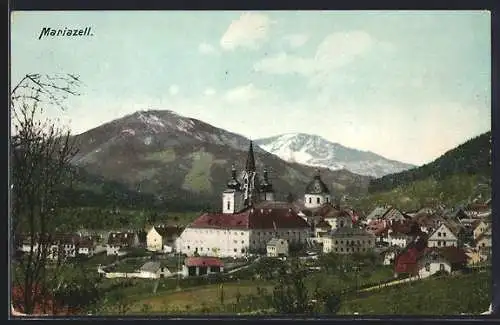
(244,266)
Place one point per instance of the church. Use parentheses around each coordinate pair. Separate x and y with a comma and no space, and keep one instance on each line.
(251,217)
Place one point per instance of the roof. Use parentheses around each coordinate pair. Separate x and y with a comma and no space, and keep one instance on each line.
(477,207)
(150,267)
(259,217)
(250,163)
(276,241)
(121,238)
(317,186)
(203,261)
(377,213)
(86,242)
(450,253)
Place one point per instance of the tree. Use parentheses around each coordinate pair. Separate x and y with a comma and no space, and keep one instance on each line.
(40,153)
(290,295)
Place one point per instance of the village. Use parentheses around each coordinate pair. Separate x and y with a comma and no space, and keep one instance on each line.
(251,226)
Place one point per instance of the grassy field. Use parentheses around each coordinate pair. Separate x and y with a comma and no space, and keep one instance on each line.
(470,294)
(197,298)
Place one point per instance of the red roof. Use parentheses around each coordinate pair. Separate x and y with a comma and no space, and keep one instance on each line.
(406,262)
(259,217)
(203,261)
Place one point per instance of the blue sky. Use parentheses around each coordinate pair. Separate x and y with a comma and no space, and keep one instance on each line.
(406,85)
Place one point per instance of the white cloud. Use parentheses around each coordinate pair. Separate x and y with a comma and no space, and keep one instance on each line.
(173,90)
(205,48)
(243,94)
(249,31)
(335,51)
(209,92)
(296,40)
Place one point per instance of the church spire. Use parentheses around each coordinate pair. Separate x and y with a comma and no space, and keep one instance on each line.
(250,165)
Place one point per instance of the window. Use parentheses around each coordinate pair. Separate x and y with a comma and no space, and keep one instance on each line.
(242,241)
(439,234)
(439,243)
(444,234)
(341,249)
(241,233)
(228,205)
(189,247)
(336,242)
(336,249)
(258,233)
(427,267)
(369,242)
(242,250)
(327,199)
(441,267)
(235,250)
(318,200)
(342,242)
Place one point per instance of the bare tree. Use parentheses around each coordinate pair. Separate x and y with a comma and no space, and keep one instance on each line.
(40,154)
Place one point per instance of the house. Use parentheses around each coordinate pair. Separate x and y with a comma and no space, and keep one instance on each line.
(474,256)
(480,228)
(118,241)
(444,259)
(334,216)
(401,233)
(348,240)
(196,266)
(443,236)
(160,236)
(483,242)
(277,247)
(387,213)
(87,246)
(321,228)
(477,210)
(153,270)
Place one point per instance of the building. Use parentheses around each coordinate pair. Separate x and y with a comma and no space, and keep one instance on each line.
(481,228)
(277,247)
(163,238)
(249,231)
(196,266)
(444,259)
(389,254)
(119,241)
(348,240)
(443,236)
(87,247)
(386,213)
(333,215)
(247,222)
(406,260)
(153,270)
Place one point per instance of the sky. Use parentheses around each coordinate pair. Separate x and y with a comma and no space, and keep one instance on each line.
(408,85)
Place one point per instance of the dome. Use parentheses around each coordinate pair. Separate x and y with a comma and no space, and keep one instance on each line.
(317,186)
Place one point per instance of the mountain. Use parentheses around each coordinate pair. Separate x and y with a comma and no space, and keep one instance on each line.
(313,150)
(185,162)
(472,157)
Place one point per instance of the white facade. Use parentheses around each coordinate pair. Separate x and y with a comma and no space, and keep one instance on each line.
(154,241)
(267,196)
(481,228)
(327,244)
(397,239)
(234,242)
(114,250)
(428,267)
(277,247)
(316,200)
(232,201)
(389,257)
(442,237)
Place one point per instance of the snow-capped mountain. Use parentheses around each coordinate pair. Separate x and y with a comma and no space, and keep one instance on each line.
(314,150)
(187,161)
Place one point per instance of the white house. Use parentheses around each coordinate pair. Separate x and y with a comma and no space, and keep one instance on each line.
(436,259)
(389,255)
(443,236)
(87,247)
(163,238)
(118,241)
(277,247)
(153,270)
(348,240)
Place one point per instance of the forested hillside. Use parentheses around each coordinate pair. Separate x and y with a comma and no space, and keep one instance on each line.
(471,158)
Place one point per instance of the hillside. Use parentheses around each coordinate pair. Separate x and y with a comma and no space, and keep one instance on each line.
(470,158)
(185,162)
(452,295)
(313,150)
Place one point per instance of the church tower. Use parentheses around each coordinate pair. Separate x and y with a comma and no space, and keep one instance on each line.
(266,188)
(250,180)
(232,198)
(316,193)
